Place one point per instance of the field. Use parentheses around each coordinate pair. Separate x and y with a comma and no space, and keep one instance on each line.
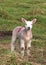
(11,12)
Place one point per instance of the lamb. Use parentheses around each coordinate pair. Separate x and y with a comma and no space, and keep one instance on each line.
(24,34)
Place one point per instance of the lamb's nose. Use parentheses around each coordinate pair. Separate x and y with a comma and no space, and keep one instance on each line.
(28,28)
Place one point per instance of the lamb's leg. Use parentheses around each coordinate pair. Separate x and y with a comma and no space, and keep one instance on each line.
(22,47)
(13,42)
(28,48)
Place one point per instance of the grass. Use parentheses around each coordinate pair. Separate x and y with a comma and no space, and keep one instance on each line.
(11,12)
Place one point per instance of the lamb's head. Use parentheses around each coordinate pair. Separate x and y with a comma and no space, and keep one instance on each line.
(28,24)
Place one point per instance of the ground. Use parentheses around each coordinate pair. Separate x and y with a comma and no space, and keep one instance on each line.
(38,54)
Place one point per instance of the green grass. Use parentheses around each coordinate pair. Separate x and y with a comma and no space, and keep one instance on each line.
(11,12)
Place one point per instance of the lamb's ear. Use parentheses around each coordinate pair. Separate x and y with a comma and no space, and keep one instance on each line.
(23,20)
(34,20)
